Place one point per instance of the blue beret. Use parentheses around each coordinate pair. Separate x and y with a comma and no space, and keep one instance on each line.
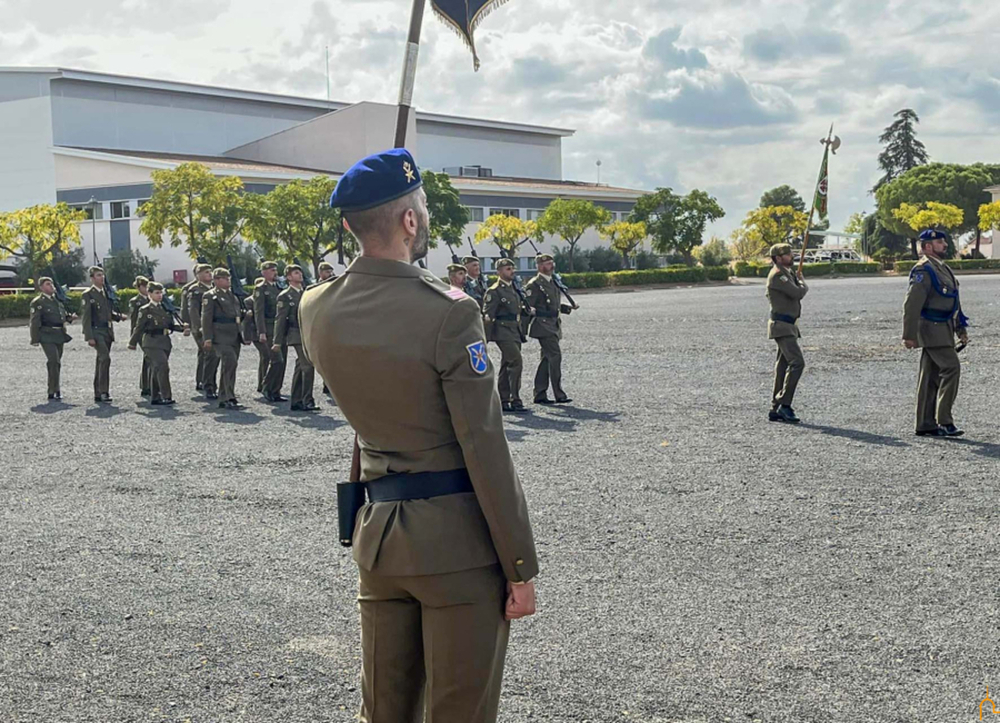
(932,234)
(375,180)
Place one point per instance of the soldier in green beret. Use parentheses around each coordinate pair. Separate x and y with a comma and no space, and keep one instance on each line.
(545,298)
(286,333)
(98,329)
(208,363)
(475,283)
(220,328)
(265,310)
(785,290)
(153,328)
(502,311)
(48,330)
(136,303)
(456,276)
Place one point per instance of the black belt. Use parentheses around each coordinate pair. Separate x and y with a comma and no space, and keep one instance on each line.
(98,325)
(783,317)
(156,332)
(506,317)
(224,320)
(419,485)
(547,314)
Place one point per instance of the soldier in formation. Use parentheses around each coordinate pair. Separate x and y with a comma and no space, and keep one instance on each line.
(325,271)
(545,298)
(503,308)
(98,329)
(475,282)
(456,276)
(286,334)
(220,328)
(152,328)
(135,304)
(271,371)
(208,364)
(932,318)
(47,327)
(405,356)
(785,291)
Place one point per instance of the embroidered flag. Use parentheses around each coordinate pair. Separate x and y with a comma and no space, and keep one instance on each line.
(464,17)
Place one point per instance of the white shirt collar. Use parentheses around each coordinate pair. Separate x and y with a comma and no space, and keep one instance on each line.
(544,276)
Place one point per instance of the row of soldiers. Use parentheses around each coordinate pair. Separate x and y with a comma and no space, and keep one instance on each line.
(511,315)
(219,321)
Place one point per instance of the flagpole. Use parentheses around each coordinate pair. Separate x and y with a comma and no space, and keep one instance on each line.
(409,72)
(812,210)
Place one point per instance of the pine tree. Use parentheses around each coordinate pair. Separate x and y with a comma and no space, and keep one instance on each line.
(902,149)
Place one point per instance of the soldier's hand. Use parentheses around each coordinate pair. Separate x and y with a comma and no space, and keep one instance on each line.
(531,312)
(275,348)
(262,338)
(92,343)
(131,347)
(910,343)
(34,343)
(520,601)
(187,331)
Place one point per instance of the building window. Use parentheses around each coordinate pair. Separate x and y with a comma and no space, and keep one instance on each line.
(535,213)
(515,212)
(121,209)
(92,211)
(139,204)
(476,214)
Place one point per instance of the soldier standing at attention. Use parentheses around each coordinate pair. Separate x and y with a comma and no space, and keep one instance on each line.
(444,547)
(134,305)
(208,363)
(456,276)
(785,290)
(325,271)
(932,316)
(153,328)
(186,318)
(265,309)
(98,329)
(286,333)
(544,297)
(220,329)
(475,284)
(48,329)
(502,310)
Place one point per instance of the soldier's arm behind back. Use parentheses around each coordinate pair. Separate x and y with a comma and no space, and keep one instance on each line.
(474,407)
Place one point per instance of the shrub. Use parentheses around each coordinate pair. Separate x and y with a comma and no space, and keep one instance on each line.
(604,259)
(903,267)
(17,306)
(717,273)
(589,280)
(646,260)
(713,253)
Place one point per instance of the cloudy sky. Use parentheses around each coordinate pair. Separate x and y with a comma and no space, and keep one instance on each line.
(730,96)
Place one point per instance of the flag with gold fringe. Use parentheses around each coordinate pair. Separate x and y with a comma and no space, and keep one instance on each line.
(464,17)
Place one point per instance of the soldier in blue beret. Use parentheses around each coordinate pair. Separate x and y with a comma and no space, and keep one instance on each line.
(932,317)
(444,545)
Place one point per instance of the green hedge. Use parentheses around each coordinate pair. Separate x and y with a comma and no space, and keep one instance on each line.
(903,267)
(17,306)
(670,275)
(745,269)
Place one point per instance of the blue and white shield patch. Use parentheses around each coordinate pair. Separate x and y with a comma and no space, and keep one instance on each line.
(477,357)
(917,278)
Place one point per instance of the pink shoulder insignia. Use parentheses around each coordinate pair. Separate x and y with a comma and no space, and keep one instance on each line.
(454,293)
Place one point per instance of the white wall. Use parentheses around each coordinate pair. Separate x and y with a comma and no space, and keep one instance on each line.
(508,153)
(27,169)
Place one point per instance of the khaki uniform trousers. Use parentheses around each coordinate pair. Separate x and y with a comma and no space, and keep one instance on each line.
(788,367)
(263,362)
(159,369)
(145,378)
(509,376)
(937,386)
(208,365)
(433,645)
(275,377)
(303,378)
(229,358)
(549,368)
(53,364)
(102,370)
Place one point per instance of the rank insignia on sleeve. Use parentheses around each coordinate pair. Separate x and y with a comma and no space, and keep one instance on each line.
(477,357)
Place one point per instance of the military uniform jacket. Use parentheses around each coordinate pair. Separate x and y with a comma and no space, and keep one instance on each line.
(286,325)
(220,317)
(502,313)
(48,321)
(185,290)
(195,298)
(413,378)
(476,288)
(922,296)
(97,313)
(785,292)
(153,327)
(543,296)
(134,304)
(265,307)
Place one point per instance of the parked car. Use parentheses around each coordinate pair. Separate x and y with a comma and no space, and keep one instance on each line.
(8,277)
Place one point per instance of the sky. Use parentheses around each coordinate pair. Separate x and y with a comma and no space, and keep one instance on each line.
(728,96)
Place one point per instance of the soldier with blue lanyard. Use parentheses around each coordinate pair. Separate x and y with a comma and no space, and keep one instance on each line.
(932,317)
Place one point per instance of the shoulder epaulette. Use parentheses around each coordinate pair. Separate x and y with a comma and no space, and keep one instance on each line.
(449,292)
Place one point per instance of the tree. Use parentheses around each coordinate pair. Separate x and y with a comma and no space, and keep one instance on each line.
(855,224)
(940,216)
(713,253)
(989,217)
(880,243)
(902,149)
(193,208)
(295,221)
(676,223)
(36,235)
(947,183)
(506,232)
(764,227)
(783,196)
(570,218)
(68,269)
(448,216)
(122,267)
(624,237)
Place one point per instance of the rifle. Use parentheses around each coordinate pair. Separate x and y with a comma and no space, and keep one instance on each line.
(454,256)
(171,308)
(111,294)
(60,290)
(237,284)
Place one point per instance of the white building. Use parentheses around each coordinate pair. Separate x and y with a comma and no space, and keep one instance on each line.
(92,140)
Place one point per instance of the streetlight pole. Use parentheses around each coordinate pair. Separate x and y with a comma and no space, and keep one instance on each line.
(598,172)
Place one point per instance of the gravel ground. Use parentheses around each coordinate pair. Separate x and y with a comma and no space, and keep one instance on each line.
(699,564)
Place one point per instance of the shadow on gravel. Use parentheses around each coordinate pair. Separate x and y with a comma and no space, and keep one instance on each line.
(515,435)
(105,411)
(983,449)
(538,421)
(52,407)
(856,435)
(311,420)
(165,413)
(237,416)
(585,415)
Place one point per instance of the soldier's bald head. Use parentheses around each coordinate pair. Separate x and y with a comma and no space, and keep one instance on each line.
(375,227)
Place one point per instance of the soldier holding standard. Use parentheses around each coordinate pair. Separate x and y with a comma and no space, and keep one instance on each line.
(785,291)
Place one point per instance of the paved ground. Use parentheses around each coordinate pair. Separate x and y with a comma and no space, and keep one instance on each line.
(698,563)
